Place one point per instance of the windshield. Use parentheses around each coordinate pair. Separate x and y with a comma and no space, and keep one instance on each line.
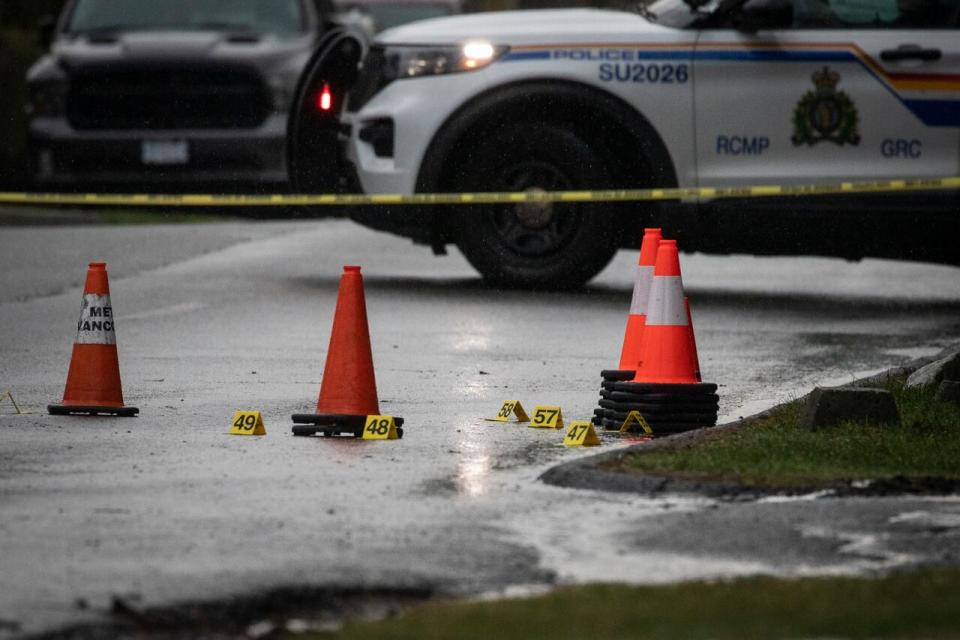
(679,14)
(280,17)
(386,15)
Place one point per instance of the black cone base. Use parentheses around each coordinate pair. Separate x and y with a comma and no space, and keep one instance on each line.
(640,388)
(668,398)
(334,424)
(616,375)
(91,410)
(644,388)
(655,410)
(666,408)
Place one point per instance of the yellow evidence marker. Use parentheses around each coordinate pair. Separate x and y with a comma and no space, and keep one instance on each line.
(511,407)
(581,434)
(380,428)
(635,417)
(547,418)
(247,423)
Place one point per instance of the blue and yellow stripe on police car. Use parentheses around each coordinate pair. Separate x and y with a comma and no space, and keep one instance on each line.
(932,112)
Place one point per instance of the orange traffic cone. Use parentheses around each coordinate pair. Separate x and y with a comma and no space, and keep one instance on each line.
(633,337)
(667,355)
(349,385)
(662,383)
(348,391)
(93,381)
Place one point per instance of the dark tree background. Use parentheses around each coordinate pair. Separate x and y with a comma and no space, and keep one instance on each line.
(19,47)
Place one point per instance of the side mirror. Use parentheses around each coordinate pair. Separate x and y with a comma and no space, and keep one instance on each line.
(764,14)
(46,29)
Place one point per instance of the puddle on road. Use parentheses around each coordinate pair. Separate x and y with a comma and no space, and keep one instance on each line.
(805,497)
(474,472)
(588,537)
(585,536)
(868,552)
(912,353)
(934,521)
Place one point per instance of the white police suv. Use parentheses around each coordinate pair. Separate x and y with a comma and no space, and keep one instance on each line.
(679,93)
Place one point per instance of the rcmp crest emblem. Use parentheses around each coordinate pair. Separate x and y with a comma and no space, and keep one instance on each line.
(825,113)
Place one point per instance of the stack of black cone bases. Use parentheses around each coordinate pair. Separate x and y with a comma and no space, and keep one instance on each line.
(659,372)
(667,408)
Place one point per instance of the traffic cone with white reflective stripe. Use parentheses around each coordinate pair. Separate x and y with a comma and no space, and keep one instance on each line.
(667,355)
(665,388)
(93,380)
(633,337)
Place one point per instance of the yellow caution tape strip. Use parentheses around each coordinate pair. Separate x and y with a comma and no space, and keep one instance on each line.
(609,195)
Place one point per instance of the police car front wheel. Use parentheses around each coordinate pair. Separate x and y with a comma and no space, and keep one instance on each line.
(535,244)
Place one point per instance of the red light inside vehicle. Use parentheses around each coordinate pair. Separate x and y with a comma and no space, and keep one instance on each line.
(325,99)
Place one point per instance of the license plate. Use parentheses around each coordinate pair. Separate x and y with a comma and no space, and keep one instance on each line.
(165,152)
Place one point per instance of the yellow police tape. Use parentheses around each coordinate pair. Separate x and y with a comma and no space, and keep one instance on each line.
(534,195)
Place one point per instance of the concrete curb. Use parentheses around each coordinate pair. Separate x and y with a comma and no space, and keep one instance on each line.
(589,473)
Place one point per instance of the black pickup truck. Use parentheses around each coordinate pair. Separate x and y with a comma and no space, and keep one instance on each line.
(171,93)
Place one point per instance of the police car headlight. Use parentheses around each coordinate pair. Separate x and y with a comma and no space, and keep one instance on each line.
(418,61)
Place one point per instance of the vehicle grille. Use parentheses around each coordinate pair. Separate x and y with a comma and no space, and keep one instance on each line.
(167,97)
(374,76)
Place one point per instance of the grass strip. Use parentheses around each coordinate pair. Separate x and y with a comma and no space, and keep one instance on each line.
(910,605)
(777,452)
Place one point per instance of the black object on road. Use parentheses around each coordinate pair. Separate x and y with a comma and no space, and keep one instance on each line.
(666,408)
(331,424)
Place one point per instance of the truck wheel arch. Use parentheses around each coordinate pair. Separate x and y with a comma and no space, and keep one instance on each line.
(632,147)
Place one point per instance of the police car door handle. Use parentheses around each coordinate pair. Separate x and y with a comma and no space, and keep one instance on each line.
(910,52)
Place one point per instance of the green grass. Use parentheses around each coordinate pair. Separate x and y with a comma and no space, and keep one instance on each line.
(777,452)
(913,605)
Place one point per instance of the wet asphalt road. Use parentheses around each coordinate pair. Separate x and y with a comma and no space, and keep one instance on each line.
(214,318)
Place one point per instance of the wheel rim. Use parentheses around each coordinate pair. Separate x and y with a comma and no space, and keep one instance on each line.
(535,229)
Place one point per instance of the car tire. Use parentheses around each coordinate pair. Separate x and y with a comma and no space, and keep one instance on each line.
(534,245)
